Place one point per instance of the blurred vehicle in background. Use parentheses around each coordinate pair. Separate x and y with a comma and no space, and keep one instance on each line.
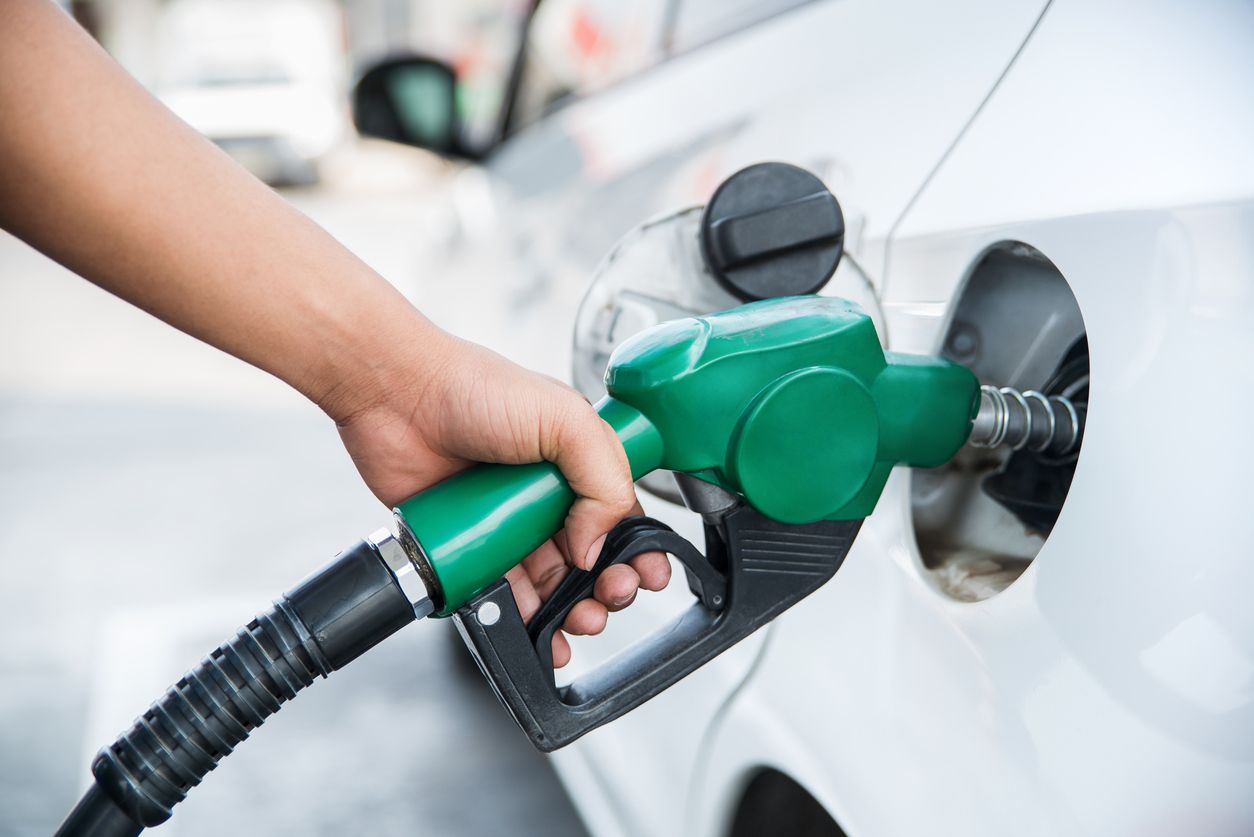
(261,78)
(1023,182)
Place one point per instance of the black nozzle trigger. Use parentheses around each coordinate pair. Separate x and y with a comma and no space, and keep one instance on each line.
(631,537)
(753,569)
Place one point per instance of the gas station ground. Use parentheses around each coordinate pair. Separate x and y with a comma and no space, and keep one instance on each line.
(155,493)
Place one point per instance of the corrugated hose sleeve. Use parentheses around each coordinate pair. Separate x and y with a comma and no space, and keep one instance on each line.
(319,626)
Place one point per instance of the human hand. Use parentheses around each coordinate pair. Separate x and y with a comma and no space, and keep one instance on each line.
(463,404)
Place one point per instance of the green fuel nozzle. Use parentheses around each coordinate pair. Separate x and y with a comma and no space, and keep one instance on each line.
(787,414)
(787,410)
(789,403)
(781,418)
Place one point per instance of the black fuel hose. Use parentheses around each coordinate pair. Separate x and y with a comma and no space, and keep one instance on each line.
(321,625)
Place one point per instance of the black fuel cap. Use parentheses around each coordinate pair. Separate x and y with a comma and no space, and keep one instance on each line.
(771,230)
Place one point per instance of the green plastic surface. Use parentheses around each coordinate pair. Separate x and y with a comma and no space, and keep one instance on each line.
(791,403)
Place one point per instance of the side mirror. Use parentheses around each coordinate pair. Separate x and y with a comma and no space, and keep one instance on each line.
(411,100)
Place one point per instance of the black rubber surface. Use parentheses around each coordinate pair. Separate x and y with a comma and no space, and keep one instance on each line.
(319,626)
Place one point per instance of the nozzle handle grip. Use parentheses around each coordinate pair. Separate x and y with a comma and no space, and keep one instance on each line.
(475,525)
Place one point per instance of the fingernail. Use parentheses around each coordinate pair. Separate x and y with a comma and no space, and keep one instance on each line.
(593,552)
(623,601)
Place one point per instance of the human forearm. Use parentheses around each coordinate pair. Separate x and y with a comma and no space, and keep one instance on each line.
(87,160)
(100,176)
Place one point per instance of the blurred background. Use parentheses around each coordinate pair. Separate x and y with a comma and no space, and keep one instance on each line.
(155,493)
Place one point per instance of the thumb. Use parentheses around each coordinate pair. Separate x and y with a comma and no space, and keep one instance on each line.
(591,457)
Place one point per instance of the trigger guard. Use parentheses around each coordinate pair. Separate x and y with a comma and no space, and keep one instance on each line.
(767,567)
(632,536)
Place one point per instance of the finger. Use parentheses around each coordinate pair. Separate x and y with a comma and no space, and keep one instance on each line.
(561,649)
(524,592)
(586,618)
(546,567)
(653,569)
(591,457)
(563,545)
(616,587)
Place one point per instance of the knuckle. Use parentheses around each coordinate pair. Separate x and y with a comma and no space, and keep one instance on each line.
(581,415)
(584,441)
(625,503)
(572,419)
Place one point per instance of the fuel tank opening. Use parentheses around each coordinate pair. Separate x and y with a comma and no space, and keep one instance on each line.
(980,520)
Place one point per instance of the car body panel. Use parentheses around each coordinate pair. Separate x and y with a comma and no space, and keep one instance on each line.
(822,86)
(1108,690)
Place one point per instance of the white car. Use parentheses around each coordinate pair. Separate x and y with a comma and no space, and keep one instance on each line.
(261,78)
(1042,191)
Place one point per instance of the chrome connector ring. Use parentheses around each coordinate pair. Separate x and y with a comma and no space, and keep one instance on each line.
(403,570)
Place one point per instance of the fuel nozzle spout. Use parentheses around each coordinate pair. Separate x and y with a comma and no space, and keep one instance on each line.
(1048,424)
